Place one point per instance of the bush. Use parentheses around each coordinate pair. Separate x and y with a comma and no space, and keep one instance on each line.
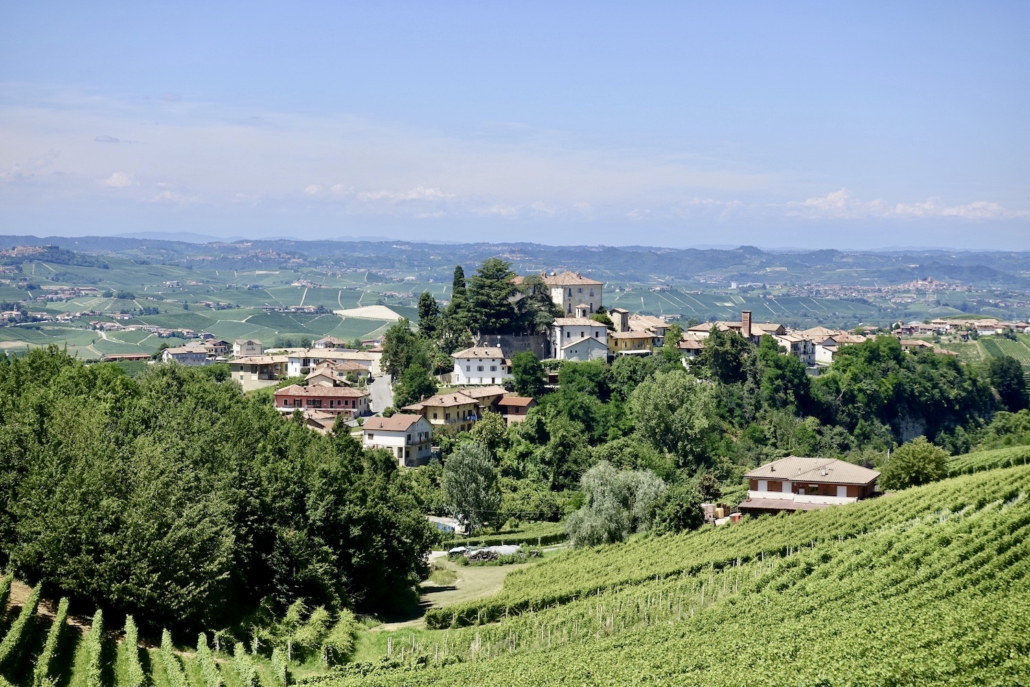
(915,463)
(94,647)
(41,673)
(134,670)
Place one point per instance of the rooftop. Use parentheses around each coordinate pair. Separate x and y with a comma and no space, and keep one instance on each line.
(569,279)
(515,401)
(483,391)
(814,470)
(443,401)
(400,422)
(578,322)
(321,391)
(489,352)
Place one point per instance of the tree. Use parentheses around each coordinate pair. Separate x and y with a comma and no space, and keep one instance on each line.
(603,319)
(674,412)
(914,463)
(491,431)
(429,322)
(1006,375)
(679,510)
(490,295)
(528,374)
(402,349)
(619,502)
(414,384)
(534,309)
(470,484)
(724,355)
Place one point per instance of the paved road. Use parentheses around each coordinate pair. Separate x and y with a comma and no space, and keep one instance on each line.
(382,394)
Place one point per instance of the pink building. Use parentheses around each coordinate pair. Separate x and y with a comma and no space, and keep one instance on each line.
(331,399)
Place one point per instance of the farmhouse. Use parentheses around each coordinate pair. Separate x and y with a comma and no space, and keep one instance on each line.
(480,365)
(794,483)
(339,400)
(407,436)
(515,408)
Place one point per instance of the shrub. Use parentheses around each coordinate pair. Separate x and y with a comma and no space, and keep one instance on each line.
(41,673)
(915,463)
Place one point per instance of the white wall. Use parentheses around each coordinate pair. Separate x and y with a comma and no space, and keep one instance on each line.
(466,371)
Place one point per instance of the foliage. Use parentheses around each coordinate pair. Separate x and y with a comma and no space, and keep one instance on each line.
(490,294)
(491,431)
(280,667)
(208,667)
(527,374)
(244,666)
(673,412)
(41,671)
(173,669)
(1006,375)
(429,321)
(413,385)
(679,510)
(12,640)
(220,501)
(619,502)
(915,463)
(339,643)
(134,670)
(470,483)
(988,460)
(402,349)
(94,648)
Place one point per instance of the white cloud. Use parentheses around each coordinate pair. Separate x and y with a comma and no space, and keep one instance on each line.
(312,190)
(843,205)
(117,180)
(417,193)
(174,198)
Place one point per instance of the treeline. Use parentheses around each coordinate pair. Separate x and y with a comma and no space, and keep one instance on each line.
(173,497)
(699,430)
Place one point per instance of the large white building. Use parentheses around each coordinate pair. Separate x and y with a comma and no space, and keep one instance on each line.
(408,437)
(480,365)
(573,338)
(572,289)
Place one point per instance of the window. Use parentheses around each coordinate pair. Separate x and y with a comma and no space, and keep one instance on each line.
(595,335)
(493,368)
(371,436)
(580,290)
(591,293)
(568,335)
(434,416)
(468,368)
(409,438)
(570,293)
(479,368)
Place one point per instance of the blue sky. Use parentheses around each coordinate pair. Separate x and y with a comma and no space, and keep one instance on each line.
(844,125)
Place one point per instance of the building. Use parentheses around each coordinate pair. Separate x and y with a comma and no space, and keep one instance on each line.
(258,368)
(185,355)
(128,357)
(515,408)
(798,346)
(480,365)
(656,326)
(752,331)
(454,412)
(339,400)
(690,346)
(246,347)
(407,436)
(302,361)
(567,332)
(631,343)
(486,396)
(793,483)
(330,373)
(570,289)
(330,342)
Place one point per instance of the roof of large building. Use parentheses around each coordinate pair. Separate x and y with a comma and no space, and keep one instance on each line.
(578,322)
(643,322)
(592,342)
(247,341)
(399,422)
(814,470)
(455,398)
(478,392)
(183,350)
(569,279)
(259,360)
(480,352)
(631,335)
(330,354)
(294,390)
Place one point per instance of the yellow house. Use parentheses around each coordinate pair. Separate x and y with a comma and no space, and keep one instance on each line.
(454,411)
(630,343)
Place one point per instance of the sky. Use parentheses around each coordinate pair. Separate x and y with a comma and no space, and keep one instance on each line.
(822,125)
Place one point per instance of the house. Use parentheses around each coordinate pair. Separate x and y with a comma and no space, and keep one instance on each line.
(454,411)
(649,323)
(571,289)
(216,347)
(752,331)
(486,396)
(690,346)
(330,342)
(258,368)
(338,400)
(480,365)
(515,408)
(407,436)
(631,343)
(330,373)
(321,421)
(114,357)
(302,361)
(185,355)
(793,483)
(246,347)
(798,346)
(566,331)
(911,345)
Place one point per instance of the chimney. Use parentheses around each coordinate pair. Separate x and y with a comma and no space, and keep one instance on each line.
(745,324)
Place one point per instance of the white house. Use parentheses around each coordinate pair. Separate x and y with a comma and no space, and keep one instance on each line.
(581,350)
(480,365)
(798,346)
(185,355)
(571,289)
(569,330)
(408,437)
(242,348)
(302,361)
